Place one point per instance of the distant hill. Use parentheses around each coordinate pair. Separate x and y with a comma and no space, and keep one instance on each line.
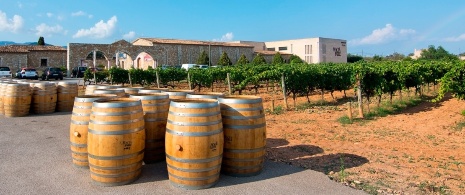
(4,43)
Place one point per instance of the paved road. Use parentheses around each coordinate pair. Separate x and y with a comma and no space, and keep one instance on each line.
(35,159)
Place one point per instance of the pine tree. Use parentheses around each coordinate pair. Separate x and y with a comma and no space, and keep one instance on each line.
(294,59)
(203,58)
(277,58)
(259,59)
(242,60)
(224,60)
(41,41)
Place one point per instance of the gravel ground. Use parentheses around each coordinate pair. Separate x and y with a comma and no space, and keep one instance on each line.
(36,159)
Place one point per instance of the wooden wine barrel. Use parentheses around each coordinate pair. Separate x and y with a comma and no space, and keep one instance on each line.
(205,95)
(3,84)
(116,141)
(44,97)
(117,92)
(91,88)
(78,128)
(16,99)
(155,107)
(178,94)
(148,91)
(244,134)
(155,88)
(66,92)
(194,143)
(131,90)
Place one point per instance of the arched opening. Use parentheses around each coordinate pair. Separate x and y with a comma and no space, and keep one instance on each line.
(144,61)
(123,60)
(101,60)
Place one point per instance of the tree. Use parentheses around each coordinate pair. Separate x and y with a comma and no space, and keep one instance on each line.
(377,58)
(277,59)
(41,41)
(353,58)
(295,59)
(224,60)
(259,59)
(242,60)
(395,56)
(438,53)
(203,58)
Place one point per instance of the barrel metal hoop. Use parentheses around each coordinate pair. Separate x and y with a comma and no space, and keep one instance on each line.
(80,160)
(195,170)
(115,168)
(80,122)
(122,132)
(194,114)
(194,105)
(258,108)
(244,117)
(115,175)
(116,122)
(244,127)
(194,134)
(116,157)
(195,178)
(80,114)
(157,104)
(79,153)
(116,113)
(78,145)
(116,104)
(194,124)
(82,107)
(193,187)
(185,160)
(227,100)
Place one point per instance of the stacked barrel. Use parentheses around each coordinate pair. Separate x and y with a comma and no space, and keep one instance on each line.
(199,135)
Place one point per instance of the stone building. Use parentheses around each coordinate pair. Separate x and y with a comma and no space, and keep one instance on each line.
(32,56)
(152,52)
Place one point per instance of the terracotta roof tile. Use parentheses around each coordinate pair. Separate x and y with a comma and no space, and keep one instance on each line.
(27,48)
(194,42)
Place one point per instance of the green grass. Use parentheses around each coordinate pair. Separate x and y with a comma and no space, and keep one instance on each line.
(277,110)
(463,113)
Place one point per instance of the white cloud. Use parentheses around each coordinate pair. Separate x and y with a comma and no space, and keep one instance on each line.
(81,13)
(12,24)
(99,30)
(48,31)
(383,35)
(226,37)
(49,15)
(129,35)
(455,39)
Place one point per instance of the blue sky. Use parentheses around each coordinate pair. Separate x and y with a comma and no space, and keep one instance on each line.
(370,27)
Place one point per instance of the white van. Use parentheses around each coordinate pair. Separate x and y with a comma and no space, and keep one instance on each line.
(187,66)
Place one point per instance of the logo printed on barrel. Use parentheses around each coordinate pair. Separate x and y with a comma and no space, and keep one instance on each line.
(213,146)
(127,145)
(228,138)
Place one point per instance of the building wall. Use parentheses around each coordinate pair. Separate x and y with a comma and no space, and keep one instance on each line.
(313,50)
(13,60)
(54,59)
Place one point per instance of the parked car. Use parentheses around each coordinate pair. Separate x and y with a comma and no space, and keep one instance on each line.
(201,66)
(187,66)
(27,73)
(5,72)
(52,72)
(78,71)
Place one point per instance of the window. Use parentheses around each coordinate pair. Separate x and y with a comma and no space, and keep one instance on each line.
(282,48)
(311,49)
(43,62)
(270,49)
(306,49)
(343,43)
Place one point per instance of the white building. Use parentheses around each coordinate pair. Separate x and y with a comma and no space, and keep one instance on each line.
(311,50)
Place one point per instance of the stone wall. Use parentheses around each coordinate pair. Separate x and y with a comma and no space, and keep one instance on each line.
(13,60)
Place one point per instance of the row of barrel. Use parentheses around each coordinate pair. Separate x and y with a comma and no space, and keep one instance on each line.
(198,135)
(19,98)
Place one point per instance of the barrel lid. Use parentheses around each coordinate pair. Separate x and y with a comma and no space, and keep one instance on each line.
(116,102)
(240,99)
(194,103)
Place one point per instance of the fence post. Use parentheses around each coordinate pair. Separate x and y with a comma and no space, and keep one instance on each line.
(229,83)
(284,91)
(359,96)
(158,79)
